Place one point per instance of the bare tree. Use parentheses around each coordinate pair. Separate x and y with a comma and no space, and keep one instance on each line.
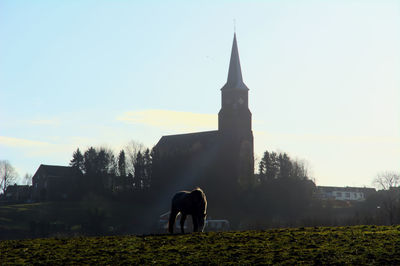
(387,180)
(388,183)
(132,149)
(27,179)
(8,175)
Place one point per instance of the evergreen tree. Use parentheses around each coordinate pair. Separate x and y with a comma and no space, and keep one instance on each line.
(262,165)
(147,163)
(90,161)
(122,163)
(106,163)
(100,168)
(77,160)
(280,166)
(285,165)
(272,166)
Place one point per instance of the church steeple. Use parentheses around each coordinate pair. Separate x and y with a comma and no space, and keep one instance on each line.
(235,79)
(234,116)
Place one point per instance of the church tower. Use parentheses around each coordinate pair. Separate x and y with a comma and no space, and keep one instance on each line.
(234,122)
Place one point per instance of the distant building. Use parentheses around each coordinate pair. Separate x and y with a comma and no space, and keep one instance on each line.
(52,182)
(18,193)
(216,159)
(344,193)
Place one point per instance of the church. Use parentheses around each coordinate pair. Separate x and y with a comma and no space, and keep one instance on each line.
(217,161)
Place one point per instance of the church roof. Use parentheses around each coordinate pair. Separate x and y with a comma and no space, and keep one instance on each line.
(235,79)
(186,142)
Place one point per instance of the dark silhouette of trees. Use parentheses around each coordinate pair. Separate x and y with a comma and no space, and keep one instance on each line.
(142,170)
(285,166)
(106,162)
(299,170)
(122,163)
(148,161)
(99,168)
(131,151)
(284,191)
(280,166)
(103,172)
(389,184)
(99,162)
(90,162)
(139,171)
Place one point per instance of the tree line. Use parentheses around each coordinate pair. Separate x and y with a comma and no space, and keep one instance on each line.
(280,166)
(282,195)
(130,170)
(283,192)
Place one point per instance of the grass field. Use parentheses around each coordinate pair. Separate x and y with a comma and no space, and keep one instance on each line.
(379,245)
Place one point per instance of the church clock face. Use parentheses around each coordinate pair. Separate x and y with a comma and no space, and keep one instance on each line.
(240,101)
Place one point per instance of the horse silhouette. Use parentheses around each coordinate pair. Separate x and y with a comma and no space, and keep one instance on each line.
(192,203)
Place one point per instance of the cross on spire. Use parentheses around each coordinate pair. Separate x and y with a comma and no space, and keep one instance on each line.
(235,79)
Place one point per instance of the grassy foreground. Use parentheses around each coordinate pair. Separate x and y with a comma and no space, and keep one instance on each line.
(378,245)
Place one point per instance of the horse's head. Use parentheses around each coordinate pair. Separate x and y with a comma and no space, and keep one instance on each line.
(202,221)
(200,201)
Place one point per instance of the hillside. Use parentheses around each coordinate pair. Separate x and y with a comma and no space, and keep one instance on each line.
(91,216)
(378,245)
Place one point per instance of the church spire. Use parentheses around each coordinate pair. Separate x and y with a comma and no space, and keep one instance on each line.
(235,80)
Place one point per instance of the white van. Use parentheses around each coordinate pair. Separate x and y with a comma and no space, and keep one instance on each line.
(162,226)
(210,225)
(216,225)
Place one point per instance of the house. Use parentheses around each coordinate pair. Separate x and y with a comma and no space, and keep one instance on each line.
(218,160)
(351,194)
(53,182)
(18,193)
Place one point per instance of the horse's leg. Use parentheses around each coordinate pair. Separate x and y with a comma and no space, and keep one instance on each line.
(195,223)
(171,222)
(183,218)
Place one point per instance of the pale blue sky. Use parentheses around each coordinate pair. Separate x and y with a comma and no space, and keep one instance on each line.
(324,78)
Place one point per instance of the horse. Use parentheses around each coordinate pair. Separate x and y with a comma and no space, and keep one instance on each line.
(192,203)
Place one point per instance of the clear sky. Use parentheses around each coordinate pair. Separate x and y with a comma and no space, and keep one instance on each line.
(324,78)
